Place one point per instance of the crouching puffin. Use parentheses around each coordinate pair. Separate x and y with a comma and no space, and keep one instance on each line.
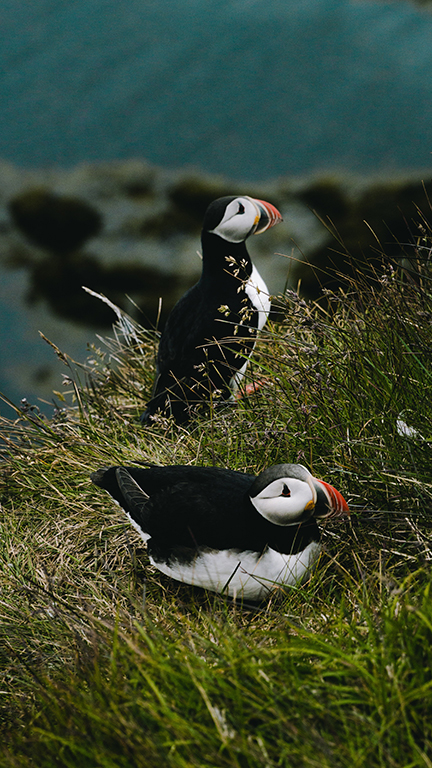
(211,332)
(226,531)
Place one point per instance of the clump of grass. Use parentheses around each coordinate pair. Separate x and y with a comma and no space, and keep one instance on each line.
(105,662)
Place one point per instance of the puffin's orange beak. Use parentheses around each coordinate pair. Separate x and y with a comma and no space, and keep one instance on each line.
(338,507)
(267,216)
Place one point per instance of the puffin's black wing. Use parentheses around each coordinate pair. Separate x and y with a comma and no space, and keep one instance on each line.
(179,505)
(179,348)
(201,348)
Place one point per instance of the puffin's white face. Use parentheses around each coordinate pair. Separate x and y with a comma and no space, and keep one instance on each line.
(286,501)
(240,219)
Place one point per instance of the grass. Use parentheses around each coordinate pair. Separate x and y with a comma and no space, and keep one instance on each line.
(105,662)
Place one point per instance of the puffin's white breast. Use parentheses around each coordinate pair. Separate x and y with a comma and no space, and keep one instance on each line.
(258,294)
(243,574)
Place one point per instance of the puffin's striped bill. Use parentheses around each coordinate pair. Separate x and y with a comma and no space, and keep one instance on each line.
(269,215)
(337,504)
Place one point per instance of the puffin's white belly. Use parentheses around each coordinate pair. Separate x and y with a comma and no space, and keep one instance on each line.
(145,536)
(258,294)
(243,574)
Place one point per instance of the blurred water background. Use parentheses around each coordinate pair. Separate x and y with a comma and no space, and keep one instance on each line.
(254,90)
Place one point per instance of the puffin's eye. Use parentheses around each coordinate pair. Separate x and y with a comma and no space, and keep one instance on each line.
(241,208)
(285,491)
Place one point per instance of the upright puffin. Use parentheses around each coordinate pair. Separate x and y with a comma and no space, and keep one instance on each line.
(223,530)
(211,332)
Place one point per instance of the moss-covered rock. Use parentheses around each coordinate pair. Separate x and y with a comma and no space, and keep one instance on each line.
(191,196)
(327,196)
(53,222)
(59,282)
(380,222)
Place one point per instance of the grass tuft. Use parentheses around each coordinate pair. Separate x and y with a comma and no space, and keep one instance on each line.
(105,662)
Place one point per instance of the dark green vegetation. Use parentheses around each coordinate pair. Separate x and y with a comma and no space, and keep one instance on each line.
(107,663)
(362,225)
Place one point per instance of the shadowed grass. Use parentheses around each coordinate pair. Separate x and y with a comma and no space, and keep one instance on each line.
(105,662)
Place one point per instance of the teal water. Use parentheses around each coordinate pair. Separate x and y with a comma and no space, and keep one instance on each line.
(249,88)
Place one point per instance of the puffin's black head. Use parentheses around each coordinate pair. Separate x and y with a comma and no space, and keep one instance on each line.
(235,218)
(287,494)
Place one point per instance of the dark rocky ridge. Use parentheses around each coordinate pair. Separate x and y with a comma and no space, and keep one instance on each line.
(130,228)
